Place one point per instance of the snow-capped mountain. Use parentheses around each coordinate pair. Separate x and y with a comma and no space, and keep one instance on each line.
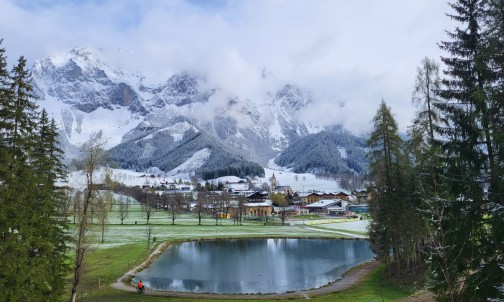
(145,123)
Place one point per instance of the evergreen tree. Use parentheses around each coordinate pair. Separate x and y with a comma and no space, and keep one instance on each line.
(493,268)
(5,97)
(32,232)
(472,172)
(394,221)
(22,115)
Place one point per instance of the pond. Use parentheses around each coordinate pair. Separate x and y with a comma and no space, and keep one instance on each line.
(253,266)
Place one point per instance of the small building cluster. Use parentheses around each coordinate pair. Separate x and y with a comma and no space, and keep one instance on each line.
(244,199)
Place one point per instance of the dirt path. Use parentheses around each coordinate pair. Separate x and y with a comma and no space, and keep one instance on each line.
(349,279)
(336,232)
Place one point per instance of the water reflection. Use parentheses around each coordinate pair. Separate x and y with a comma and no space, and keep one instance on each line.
(253,266)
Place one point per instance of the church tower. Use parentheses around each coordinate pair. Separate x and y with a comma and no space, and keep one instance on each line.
(273,182)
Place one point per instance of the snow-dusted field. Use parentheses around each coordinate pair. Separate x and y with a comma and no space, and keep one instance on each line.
(355,226)
(300,182)
(186,228)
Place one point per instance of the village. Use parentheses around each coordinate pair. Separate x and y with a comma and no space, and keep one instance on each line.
(239,199)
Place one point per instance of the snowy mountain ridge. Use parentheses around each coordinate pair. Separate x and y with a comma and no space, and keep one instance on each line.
(85,95)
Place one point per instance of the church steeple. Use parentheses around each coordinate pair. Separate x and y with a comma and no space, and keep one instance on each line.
(273,182)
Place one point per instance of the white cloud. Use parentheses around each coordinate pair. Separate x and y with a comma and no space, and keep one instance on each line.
(350,54)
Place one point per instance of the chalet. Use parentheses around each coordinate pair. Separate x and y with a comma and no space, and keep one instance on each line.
(310,198)
(257,197)
(317,196)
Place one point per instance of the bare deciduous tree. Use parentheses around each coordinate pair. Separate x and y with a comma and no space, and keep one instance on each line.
(104,205)
(123,208)
(94,156)
(148,205)
(201,204)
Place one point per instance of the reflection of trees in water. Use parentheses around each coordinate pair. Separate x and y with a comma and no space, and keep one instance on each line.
(252,266)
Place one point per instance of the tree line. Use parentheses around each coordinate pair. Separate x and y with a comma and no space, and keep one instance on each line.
(438,197)
(33,233)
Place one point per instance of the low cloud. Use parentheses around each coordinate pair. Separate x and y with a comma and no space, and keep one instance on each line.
(349,54)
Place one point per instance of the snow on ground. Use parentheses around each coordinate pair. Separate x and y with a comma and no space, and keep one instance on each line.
(300,182)
(197,160)
(177,131)
(356,226)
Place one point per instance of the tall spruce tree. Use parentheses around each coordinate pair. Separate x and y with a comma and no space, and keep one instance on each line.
(472,174)
(493,263)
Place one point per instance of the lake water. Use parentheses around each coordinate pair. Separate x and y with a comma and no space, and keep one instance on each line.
(254,265)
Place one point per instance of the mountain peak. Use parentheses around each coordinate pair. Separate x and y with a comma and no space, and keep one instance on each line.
(82,52)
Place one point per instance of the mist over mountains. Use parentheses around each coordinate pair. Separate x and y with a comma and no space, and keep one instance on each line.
(184,124)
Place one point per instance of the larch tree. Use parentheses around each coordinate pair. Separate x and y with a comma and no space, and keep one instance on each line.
(394,221)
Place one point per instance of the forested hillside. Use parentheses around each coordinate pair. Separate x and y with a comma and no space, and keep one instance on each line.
(333,152)
(163,151)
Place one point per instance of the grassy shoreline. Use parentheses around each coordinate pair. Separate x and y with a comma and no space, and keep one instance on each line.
(125,248)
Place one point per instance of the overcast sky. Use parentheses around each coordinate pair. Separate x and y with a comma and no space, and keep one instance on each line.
(349,53)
